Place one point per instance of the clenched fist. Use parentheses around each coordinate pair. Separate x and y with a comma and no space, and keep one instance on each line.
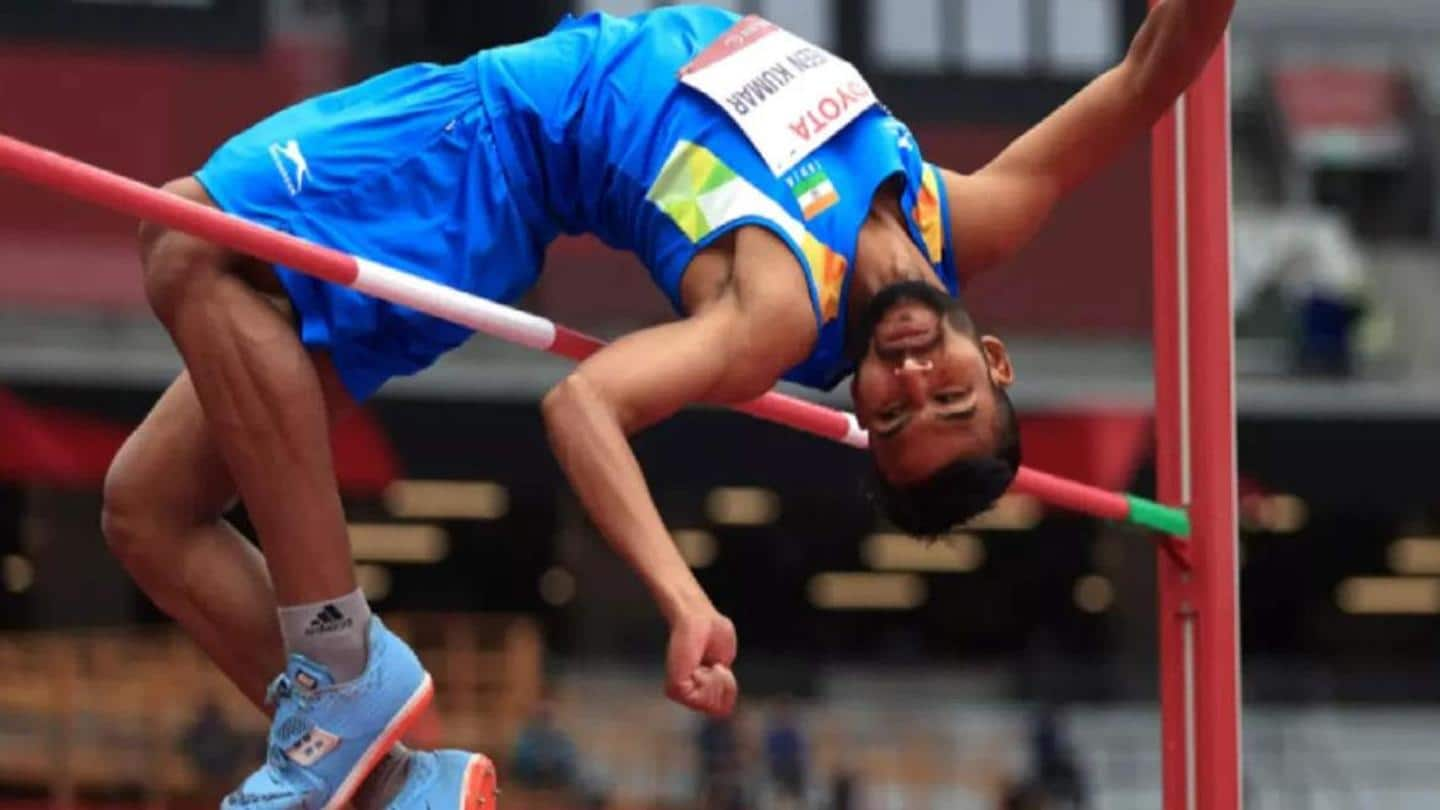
(697,671)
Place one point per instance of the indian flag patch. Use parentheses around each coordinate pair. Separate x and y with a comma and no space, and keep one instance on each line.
(813,190)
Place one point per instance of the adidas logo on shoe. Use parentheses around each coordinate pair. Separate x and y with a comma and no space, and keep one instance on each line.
(328,620)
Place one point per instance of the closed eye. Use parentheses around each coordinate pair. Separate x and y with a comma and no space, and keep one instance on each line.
(960,415)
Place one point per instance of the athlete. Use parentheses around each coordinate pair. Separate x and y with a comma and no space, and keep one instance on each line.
(788,216)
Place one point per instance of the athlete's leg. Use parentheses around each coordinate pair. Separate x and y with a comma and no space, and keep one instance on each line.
(265,411)
(263,401)
(165,497)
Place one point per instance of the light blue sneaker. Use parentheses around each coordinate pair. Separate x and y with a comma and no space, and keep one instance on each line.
(447,780)
(327,737)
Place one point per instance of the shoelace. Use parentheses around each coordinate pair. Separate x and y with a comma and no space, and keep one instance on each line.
(283,689)
(279,690)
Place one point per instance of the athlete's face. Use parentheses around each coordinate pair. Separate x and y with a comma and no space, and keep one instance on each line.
(925,388)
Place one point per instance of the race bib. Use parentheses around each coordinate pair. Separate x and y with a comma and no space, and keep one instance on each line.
(787,95)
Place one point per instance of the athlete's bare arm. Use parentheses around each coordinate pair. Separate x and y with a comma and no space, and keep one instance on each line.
(733,348)
(997,210)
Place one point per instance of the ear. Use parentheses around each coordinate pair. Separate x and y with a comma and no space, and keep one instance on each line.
(1001,372)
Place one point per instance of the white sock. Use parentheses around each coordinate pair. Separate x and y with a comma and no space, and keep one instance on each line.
(333,633)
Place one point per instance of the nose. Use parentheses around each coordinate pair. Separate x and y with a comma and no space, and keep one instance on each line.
(912,365)
(911,373)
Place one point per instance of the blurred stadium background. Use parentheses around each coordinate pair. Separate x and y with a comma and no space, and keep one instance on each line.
(1013,666)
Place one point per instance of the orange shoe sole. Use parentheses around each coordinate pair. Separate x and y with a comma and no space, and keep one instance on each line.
(480,788)
(409,715)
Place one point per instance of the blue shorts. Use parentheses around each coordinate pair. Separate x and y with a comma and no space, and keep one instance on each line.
(402,170)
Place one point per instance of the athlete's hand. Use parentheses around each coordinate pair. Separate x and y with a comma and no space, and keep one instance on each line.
(697,671)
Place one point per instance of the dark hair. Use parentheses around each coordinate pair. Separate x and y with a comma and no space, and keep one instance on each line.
(961,489)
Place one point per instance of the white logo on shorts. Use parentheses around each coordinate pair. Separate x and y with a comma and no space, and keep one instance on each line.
(294,177)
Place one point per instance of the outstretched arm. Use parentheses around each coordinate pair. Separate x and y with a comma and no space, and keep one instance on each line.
(997,210)
(727,353)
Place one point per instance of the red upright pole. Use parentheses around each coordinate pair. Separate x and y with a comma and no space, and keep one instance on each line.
(1166,214)
(1211,396)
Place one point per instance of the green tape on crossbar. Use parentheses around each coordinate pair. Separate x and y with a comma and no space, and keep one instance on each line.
(1166,519)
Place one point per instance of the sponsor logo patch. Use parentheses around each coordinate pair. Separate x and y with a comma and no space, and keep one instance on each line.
(328,620)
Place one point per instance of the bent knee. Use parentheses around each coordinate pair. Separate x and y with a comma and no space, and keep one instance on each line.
(173,262)
(138,522)
(178,267)
(151,233)
(127,515)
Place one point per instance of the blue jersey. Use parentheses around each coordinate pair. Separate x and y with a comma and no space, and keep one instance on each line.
(464,173)
(605,139)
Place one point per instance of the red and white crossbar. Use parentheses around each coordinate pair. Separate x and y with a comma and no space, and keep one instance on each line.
(124,195)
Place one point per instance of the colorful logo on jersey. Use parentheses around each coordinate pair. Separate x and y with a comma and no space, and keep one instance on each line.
(701,194)
(926,214)
(812,189)
(692,189)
